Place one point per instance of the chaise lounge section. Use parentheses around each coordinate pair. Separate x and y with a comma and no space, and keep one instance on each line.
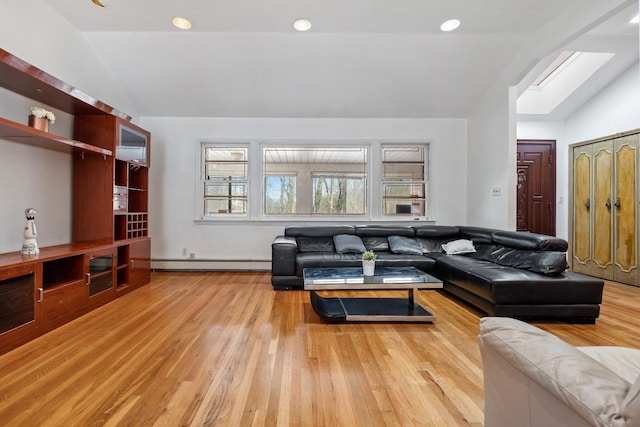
(502,273)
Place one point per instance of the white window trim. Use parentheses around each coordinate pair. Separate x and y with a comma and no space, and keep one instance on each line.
(255,200)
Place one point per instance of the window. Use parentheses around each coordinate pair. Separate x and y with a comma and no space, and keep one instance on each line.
(339,194)
(225,180)
(403,180)
(365,181)
(280,194)
(315,181)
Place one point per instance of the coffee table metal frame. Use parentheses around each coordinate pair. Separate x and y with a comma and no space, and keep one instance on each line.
(382,309)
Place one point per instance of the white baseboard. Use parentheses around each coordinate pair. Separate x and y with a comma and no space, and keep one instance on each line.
(210,265)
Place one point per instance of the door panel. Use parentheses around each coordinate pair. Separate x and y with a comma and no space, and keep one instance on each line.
(581,239)
(625,205)
(536,209)
(601,207)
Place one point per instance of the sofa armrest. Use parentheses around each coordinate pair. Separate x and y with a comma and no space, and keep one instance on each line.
(524,366)
(283,256)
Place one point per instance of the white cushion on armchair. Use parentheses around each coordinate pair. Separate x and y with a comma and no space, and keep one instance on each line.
(533,378)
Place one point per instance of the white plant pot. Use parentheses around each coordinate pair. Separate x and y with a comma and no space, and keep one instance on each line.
(368,267)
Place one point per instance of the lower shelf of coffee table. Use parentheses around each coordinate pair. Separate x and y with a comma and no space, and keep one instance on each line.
(351,309)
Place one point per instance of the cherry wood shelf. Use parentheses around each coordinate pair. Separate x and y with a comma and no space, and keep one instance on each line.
(17,132)
(23,78)
(50,253)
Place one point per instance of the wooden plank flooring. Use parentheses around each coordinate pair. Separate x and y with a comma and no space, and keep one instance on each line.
(225,349)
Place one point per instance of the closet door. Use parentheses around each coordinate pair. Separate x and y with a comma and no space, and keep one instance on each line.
(601,208)
(581,209)
(625,209)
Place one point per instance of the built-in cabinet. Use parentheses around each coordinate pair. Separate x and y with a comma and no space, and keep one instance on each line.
(110,250)
(604,207)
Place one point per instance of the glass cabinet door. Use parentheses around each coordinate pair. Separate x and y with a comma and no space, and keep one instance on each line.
(132,145)
(100,273)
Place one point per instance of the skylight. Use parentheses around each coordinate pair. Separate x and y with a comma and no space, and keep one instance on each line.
(565,74)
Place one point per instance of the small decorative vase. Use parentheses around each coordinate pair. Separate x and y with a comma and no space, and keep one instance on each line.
(40,123)
(368,267)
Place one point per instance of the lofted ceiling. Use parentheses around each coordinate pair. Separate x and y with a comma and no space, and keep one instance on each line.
(361,58)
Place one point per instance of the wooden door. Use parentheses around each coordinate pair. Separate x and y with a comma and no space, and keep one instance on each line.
(536,187)
(601,208)
(140,263)
(581,209)
(625,209)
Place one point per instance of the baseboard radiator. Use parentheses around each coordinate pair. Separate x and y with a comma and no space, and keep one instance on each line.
(210,265)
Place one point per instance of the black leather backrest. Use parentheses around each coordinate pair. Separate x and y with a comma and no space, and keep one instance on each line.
(384,230)
(437,231)
(318,230)
(479,235)
(529,241)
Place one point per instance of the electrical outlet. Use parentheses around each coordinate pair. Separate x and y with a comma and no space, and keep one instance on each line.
(496,191)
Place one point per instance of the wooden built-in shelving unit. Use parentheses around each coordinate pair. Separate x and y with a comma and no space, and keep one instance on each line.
(110,249)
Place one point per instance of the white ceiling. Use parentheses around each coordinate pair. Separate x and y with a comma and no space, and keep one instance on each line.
(361,58)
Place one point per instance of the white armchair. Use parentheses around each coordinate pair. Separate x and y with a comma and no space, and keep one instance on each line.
(533,378)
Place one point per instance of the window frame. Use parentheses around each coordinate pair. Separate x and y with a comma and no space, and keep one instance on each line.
(256,182)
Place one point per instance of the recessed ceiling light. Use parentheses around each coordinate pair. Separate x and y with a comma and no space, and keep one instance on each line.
(635,19)
(302,24)
(182,23)
(102,3)
(450,25)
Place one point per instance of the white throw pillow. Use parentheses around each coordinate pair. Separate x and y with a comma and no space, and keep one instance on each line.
(461,246)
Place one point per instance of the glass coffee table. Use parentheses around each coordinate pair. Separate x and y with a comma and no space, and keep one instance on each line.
(355,309)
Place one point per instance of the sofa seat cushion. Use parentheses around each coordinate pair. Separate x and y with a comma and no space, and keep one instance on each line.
(507,285)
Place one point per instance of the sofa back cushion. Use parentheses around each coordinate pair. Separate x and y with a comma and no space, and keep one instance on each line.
(478,235)
(529,241)
(315,244)
(376,243)
(543,262)
(432,237)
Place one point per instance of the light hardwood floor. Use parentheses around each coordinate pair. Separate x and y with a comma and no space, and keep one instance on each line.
(225,349)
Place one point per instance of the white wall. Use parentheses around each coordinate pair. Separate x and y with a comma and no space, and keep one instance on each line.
(490,163)
(174,171)
(615,109)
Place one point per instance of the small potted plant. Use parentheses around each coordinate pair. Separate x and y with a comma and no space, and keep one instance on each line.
(369,263)
(39,118)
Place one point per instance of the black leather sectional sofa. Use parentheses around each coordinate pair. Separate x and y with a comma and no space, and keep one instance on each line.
(511,274)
